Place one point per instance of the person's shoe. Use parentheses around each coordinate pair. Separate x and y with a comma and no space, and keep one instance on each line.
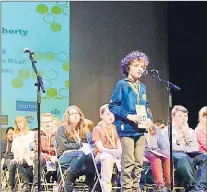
(26,187)
(139,189)
(168,188)
(36,189)
(160,188)
(68,186)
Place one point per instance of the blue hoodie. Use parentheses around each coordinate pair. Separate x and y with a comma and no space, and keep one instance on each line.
(123,102)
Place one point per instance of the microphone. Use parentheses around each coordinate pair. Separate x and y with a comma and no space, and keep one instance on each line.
(26,50)
(174,86)
(149,72)
(154,73)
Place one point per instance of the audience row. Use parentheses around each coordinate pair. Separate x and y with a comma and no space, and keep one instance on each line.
(73,141)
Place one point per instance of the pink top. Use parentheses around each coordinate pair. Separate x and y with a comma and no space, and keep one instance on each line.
(201,135)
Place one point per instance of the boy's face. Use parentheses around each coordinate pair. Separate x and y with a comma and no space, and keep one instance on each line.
(46,122)
(136,69)
(107,117)
(204,118)
(180,118)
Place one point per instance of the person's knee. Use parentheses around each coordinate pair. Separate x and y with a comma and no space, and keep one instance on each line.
(167,160)
(200,159)
(104,156)
(80,157)
(107,163)
(81,154)
(156,164)
(184,160)
(183,164)
(154,158)
(12,166)
(179,155)
(20,167)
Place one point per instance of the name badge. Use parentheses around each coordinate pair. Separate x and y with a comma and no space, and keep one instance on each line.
(51,166)
(142,114)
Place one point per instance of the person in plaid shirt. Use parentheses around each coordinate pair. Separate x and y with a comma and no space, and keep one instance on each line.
(190,163)
(49,126)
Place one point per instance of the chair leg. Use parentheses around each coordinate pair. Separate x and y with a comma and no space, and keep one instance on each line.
(44,179)
(17,181)
(4,181)
(94,187)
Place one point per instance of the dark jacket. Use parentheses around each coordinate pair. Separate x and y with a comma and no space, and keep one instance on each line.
(9,154)
(123,102)
(63,143)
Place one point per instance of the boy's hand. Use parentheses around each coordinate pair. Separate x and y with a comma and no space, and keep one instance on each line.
(134,118)
(149,123)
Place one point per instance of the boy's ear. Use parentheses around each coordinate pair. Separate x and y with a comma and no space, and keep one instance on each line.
(101,116)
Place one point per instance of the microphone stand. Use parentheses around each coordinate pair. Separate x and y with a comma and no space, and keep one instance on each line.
(169,86)
(39,84)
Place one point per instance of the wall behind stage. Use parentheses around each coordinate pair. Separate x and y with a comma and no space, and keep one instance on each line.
(104,32)
(44,27)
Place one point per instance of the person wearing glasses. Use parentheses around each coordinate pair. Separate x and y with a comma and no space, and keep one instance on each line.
(129,104)
(190,164)
(6,154)
(70,138)
(49,126)
(201,130)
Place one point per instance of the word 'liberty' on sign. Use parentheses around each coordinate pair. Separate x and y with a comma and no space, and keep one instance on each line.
(14,31)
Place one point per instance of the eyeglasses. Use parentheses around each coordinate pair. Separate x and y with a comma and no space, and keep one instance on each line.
(46,122)
(74,113)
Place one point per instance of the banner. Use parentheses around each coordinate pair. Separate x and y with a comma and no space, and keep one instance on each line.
(43,27)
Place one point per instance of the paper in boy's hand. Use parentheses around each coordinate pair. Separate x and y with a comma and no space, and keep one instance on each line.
(85,148)
(142,115)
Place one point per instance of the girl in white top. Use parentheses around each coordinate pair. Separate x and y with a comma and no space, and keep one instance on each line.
(23,156)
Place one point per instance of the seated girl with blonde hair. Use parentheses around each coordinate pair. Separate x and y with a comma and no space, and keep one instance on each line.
(23,156)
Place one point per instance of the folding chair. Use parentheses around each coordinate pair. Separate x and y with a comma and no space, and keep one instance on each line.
(97,165)
(147,180)
(62,174)
(44,180)
(4,179)
(18,181)
(48,177)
